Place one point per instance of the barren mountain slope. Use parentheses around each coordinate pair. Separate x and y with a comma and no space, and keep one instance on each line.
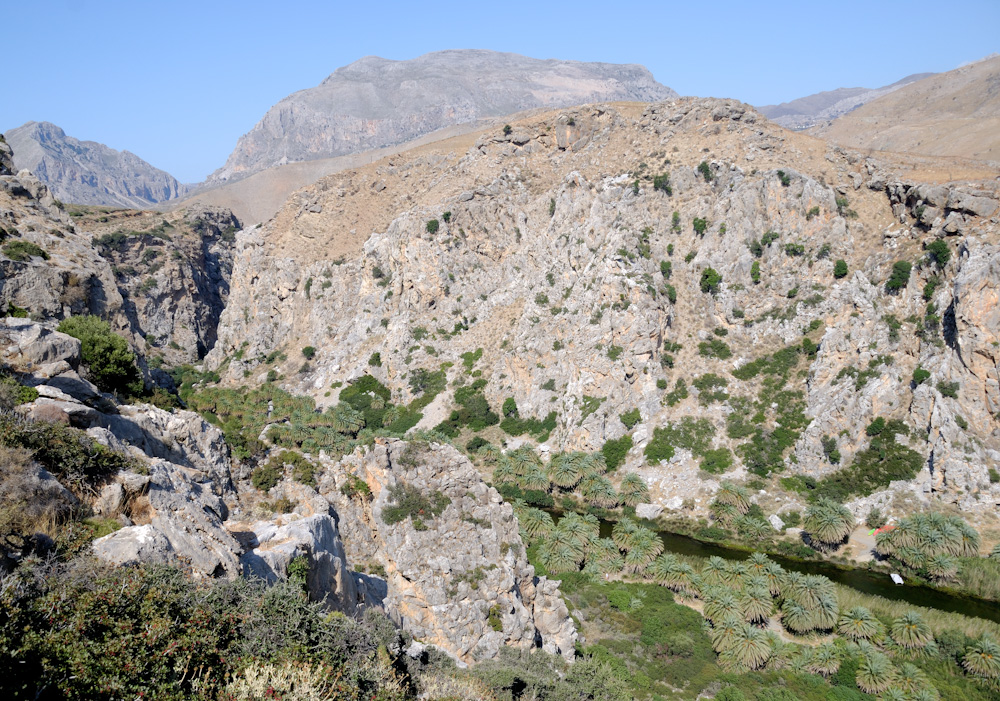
(86,172)
(375,102)
(949,114)
(550,249)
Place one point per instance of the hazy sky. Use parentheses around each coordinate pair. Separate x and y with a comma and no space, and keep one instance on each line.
(177,82)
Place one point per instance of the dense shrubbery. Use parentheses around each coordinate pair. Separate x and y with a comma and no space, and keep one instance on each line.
(875,467)
(88,632)
(22,251)
(410,502)
(107,355)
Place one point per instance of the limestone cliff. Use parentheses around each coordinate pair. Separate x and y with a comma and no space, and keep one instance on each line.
(600,255)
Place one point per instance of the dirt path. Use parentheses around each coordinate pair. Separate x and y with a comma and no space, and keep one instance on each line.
(860,545)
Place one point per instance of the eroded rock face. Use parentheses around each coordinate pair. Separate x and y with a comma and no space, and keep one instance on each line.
(459,580)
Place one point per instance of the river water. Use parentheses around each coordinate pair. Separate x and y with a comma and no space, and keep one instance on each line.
(875,583)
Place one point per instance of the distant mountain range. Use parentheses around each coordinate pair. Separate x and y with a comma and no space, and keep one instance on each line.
(820,107)
(379,105)
(87,172)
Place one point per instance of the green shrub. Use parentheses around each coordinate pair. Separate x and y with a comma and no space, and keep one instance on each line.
(665,269)
(938,252)
(266,477)
(662,183)
(794,249)
(840,268)
(899,277)
(716,348)
(107,355)
(711,388)
(630,418)
(615,352)
(309,352)
(375,360)
(920,376)
(433,226)
(678,394)
(710,280)
(931,287)
(700,225)
(717,461)
(23,250)
(755,272)
(784,178)
(706,171)
(615,450)
(884,461)
(948,389)
(409,502)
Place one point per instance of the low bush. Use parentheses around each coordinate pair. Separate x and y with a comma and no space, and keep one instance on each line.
(22,250)
(409,502)
(107,355)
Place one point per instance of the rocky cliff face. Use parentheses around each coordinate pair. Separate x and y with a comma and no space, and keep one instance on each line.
(160,279)
(375,102)
(86,172)
(459,579)
(590,290)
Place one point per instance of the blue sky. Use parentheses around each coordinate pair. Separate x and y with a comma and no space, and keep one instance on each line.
(177,82)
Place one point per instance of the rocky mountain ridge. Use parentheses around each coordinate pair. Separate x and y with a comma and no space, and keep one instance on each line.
(375,102)
(87,172)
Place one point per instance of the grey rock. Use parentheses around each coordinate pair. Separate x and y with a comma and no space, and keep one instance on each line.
(133,545)
(973,204)
(648,511)
(776,522)
(111,500)
(27,344)
(75,386)
(329,581)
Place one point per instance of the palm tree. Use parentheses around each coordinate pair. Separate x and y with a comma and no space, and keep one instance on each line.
(753,528)
(560,536)
(565,471)
(796,617)
(950,537)
(942,566)
(894,694)
(680,578)
(983,659)
(756,605)
(775,577)
(523,459)
(536,522)
(634,490)
(347,419)
(489,452)
(600,492)
(714,571)
(721,604)
(603,557)
(593,464)
(911,679)
(726,514)
(624,533)
(995,552)
(825,660)
(910,631)
(534,478)
(970,540)
(750,648)
(504,473)
(558,557)
(757,563)
(724,633)
(885,542)
(858,624)
(734,495)
(736,573)
(582,528)
(875,673)
(828,522)
(825,614)
(391,416)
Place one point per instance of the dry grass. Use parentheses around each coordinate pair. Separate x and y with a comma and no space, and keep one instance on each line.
(29,504)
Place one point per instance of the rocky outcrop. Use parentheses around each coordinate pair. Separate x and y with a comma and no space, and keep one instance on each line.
(275,545)
(375,102)
(458,579)
(86,172)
